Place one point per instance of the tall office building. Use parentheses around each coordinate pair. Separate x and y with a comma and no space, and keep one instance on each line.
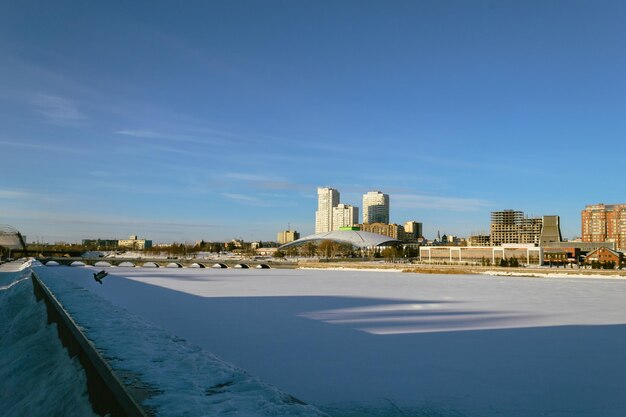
(375,207)
(345,215)
(327,198)
(605,223)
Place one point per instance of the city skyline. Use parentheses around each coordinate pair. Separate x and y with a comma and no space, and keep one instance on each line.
(220,123)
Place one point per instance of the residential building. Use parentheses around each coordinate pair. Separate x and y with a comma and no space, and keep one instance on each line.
(604,223)
(412,231)
(510,226)
(287,236)
(327,198)
(345,215)
(375,207)
(134,243)
(394,231)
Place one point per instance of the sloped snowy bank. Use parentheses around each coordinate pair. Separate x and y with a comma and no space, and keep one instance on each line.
(180,379)
(37,376)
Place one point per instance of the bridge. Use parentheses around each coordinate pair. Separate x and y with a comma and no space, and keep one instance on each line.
(170,263)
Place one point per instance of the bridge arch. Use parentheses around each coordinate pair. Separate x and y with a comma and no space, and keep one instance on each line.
(219,265)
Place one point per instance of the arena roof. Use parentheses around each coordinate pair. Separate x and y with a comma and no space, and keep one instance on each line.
(356,238)
(10,238)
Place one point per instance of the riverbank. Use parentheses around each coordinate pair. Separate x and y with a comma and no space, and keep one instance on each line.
(538,272)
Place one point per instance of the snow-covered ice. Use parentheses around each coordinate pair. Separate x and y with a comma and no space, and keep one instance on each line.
(358,343)
(384,341)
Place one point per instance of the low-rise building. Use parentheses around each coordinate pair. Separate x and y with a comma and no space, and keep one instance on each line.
(134,243)
(393,230)
(605,256)
(479,240)
(100,244)
(525,254)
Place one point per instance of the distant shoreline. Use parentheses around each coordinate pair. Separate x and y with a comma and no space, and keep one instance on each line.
(533,272)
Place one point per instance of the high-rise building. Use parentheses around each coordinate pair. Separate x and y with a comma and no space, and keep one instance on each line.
(510,226)
(375,207)
(345,215)
(287,236)
(412,230)
(327,198)
(605,223)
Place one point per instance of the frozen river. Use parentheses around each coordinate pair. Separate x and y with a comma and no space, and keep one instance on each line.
(367,343)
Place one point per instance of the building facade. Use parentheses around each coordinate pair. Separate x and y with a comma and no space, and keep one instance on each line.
(602,256)
(287,236)
(481,255)
(134,243)
(394,231)
(412,231)
(100,244)
(375,207)
(345,215)
(550,230)
(513,227)
(327,198)
(605,223)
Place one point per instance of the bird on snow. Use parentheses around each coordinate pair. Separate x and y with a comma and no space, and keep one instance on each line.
(98,277)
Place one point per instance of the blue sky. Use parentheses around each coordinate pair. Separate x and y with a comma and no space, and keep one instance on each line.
(218,120)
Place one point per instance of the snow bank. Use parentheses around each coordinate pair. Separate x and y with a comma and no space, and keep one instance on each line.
(184,379)
(37,376)
(551,274)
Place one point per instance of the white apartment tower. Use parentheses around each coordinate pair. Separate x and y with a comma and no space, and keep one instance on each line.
(345,215)
(327,198)
(376,207)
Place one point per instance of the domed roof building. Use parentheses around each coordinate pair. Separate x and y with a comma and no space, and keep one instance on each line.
(356,238)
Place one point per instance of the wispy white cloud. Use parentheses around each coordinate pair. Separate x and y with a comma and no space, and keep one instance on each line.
(248,177)
(437,202)
(264,181)
(37,146)
(101,219)
(58,110)
(199,138)
(138,133)
(11,194)
(246,199)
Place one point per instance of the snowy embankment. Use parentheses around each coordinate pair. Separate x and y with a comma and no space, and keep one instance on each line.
(37,377)
(179,378)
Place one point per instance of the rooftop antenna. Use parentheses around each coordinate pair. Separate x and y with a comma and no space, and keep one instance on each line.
(288,225)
